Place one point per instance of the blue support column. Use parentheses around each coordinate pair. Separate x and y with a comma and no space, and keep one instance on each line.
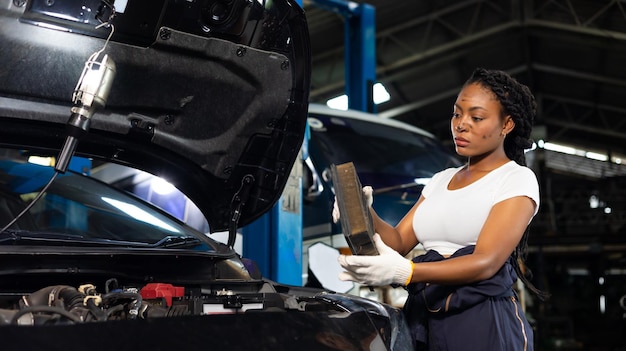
(360,58)
(274,241)
(257,243)
(359,51)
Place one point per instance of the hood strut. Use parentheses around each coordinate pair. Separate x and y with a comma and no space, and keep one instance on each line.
(238,202)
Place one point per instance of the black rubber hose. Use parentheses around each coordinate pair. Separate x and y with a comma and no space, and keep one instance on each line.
(45,309)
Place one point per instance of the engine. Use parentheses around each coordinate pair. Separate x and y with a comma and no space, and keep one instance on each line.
(272,316)
(64,304)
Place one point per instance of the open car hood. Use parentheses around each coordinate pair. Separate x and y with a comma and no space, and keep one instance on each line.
(211,95)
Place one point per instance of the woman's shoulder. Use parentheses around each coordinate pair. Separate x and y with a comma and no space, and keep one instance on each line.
(519,180)
(514,169)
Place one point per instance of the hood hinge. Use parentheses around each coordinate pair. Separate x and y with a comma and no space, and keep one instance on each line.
(238,202)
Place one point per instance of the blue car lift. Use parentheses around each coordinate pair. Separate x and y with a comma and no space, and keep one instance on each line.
(359,51)
(274,241)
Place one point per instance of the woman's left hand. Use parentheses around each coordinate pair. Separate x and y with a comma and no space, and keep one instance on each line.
(368,192)
(388,267)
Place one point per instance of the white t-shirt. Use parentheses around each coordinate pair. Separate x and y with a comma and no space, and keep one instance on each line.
(448,220)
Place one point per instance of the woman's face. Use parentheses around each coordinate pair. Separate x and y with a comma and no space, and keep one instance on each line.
(477,126)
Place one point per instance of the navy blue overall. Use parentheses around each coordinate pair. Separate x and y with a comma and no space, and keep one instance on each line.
(485,315)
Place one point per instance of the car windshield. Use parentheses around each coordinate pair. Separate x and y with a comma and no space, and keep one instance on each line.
(81,210)
(379,150)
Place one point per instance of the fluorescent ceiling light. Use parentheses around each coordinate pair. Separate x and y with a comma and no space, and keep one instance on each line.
(570,150)
(559,148)
(596,156)
(338,103)
(380,94)
(341,102)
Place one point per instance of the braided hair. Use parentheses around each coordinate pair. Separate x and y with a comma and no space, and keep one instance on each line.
(518,102)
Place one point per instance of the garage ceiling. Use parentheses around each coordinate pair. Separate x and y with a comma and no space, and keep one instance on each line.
(571,53)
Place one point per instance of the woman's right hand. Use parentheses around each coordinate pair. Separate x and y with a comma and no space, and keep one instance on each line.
(369,200)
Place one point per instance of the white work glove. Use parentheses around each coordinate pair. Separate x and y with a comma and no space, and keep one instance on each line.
(369,200)
(389,267)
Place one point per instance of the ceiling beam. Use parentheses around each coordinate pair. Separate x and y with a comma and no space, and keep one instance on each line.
(394,112)
(391,71)
(579,75)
